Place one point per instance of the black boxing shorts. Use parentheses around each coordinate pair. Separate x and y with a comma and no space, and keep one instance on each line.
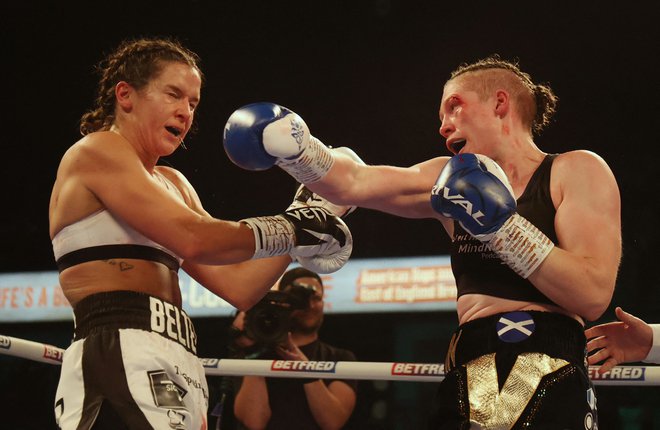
(516,370)
(132,364)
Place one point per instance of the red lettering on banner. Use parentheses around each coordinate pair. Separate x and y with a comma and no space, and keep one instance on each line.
(3,297)
(28,297)
(406,285)
(14,298)
(43,297)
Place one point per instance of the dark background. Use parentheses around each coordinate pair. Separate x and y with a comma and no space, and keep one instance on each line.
(366,74)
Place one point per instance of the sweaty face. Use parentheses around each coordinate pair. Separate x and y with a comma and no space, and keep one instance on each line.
(165,109)
(309,320)
(468,123)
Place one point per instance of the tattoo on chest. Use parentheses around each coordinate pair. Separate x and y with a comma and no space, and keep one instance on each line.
(121,265)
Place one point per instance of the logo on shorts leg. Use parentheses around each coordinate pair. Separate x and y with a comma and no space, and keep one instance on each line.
(515,327)
(176,420)
(167,393)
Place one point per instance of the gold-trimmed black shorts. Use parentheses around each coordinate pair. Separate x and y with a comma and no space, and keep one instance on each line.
(517,370)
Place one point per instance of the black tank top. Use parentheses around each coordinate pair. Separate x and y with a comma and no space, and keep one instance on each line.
(478,270)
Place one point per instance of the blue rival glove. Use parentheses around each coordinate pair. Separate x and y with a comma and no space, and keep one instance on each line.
(259,135)
(475,191)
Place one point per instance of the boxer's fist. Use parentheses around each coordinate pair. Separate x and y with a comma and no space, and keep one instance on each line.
(323,241)
(259,135)
(475,191)
(243,136)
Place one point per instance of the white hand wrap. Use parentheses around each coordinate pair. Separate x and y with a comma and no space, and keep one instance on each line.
(299,153)
(306,197)
(521,245)
(312,164)
(273,235)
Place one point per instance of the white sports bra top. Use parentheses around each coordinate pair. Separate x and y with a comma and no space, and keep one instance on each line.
(102,236)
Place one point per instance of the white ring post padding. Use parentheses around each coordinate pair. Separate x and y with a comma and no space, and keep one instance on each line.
(423,372)
(31,350)
(391,371)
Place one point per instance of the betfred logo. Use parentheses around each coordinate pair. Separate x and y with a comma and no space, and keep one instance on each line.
(5,342)
(418,369)
(304,366)
(619,373)
(52,353)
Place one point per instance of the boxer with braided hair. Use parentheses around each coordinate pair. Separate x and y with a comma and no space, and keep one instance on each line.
(122,227)
(536,239)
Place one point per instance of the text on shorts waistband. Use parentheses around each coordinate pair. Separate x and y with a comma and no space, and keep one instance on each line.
(130,309)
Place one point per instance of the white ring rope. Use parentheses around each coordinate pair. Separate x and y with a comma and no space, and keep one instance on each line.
(391,371)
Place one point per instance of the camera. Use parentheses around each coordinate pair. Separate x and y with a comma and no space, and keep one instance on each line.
(269,321)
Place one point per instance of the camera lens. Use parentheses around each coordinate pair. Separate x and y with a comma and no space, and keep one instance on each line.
(268,322)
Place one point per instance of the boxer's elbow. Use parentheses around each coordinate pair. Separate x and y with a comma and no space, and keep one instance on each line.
(244,301)
(598,301)
(594,310)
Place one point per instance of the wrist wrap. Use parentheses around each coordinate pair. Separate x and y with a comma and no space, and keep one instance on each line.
(521,245)
(312,164)
(273,235)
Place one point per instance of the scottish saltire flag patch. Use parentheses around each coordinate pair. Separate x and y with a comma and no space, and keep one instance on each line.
(515,327)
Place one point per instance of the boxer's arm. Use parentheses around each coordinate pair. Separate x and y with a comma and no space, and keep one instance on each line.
(579,274)
(103,170)
(261,135)
(241,284)
(107,166)
(402,191)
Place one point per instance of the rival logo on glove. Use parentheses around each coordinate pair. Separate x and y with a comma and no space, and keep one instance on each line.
(459,200)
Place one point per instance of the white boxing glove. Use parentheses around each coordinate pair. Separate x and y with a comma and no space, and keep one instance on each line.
(316,238)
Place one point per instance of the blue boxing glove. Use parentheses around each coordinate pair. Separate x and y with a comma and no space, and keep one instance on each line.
(260,135)
(475,191)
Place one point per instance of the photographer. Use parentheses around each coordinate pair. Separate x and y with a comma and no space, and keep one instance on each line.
(291,403)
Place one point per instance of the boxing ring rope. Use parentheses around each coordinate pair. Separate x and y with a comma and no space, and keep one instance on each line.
(391,371)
